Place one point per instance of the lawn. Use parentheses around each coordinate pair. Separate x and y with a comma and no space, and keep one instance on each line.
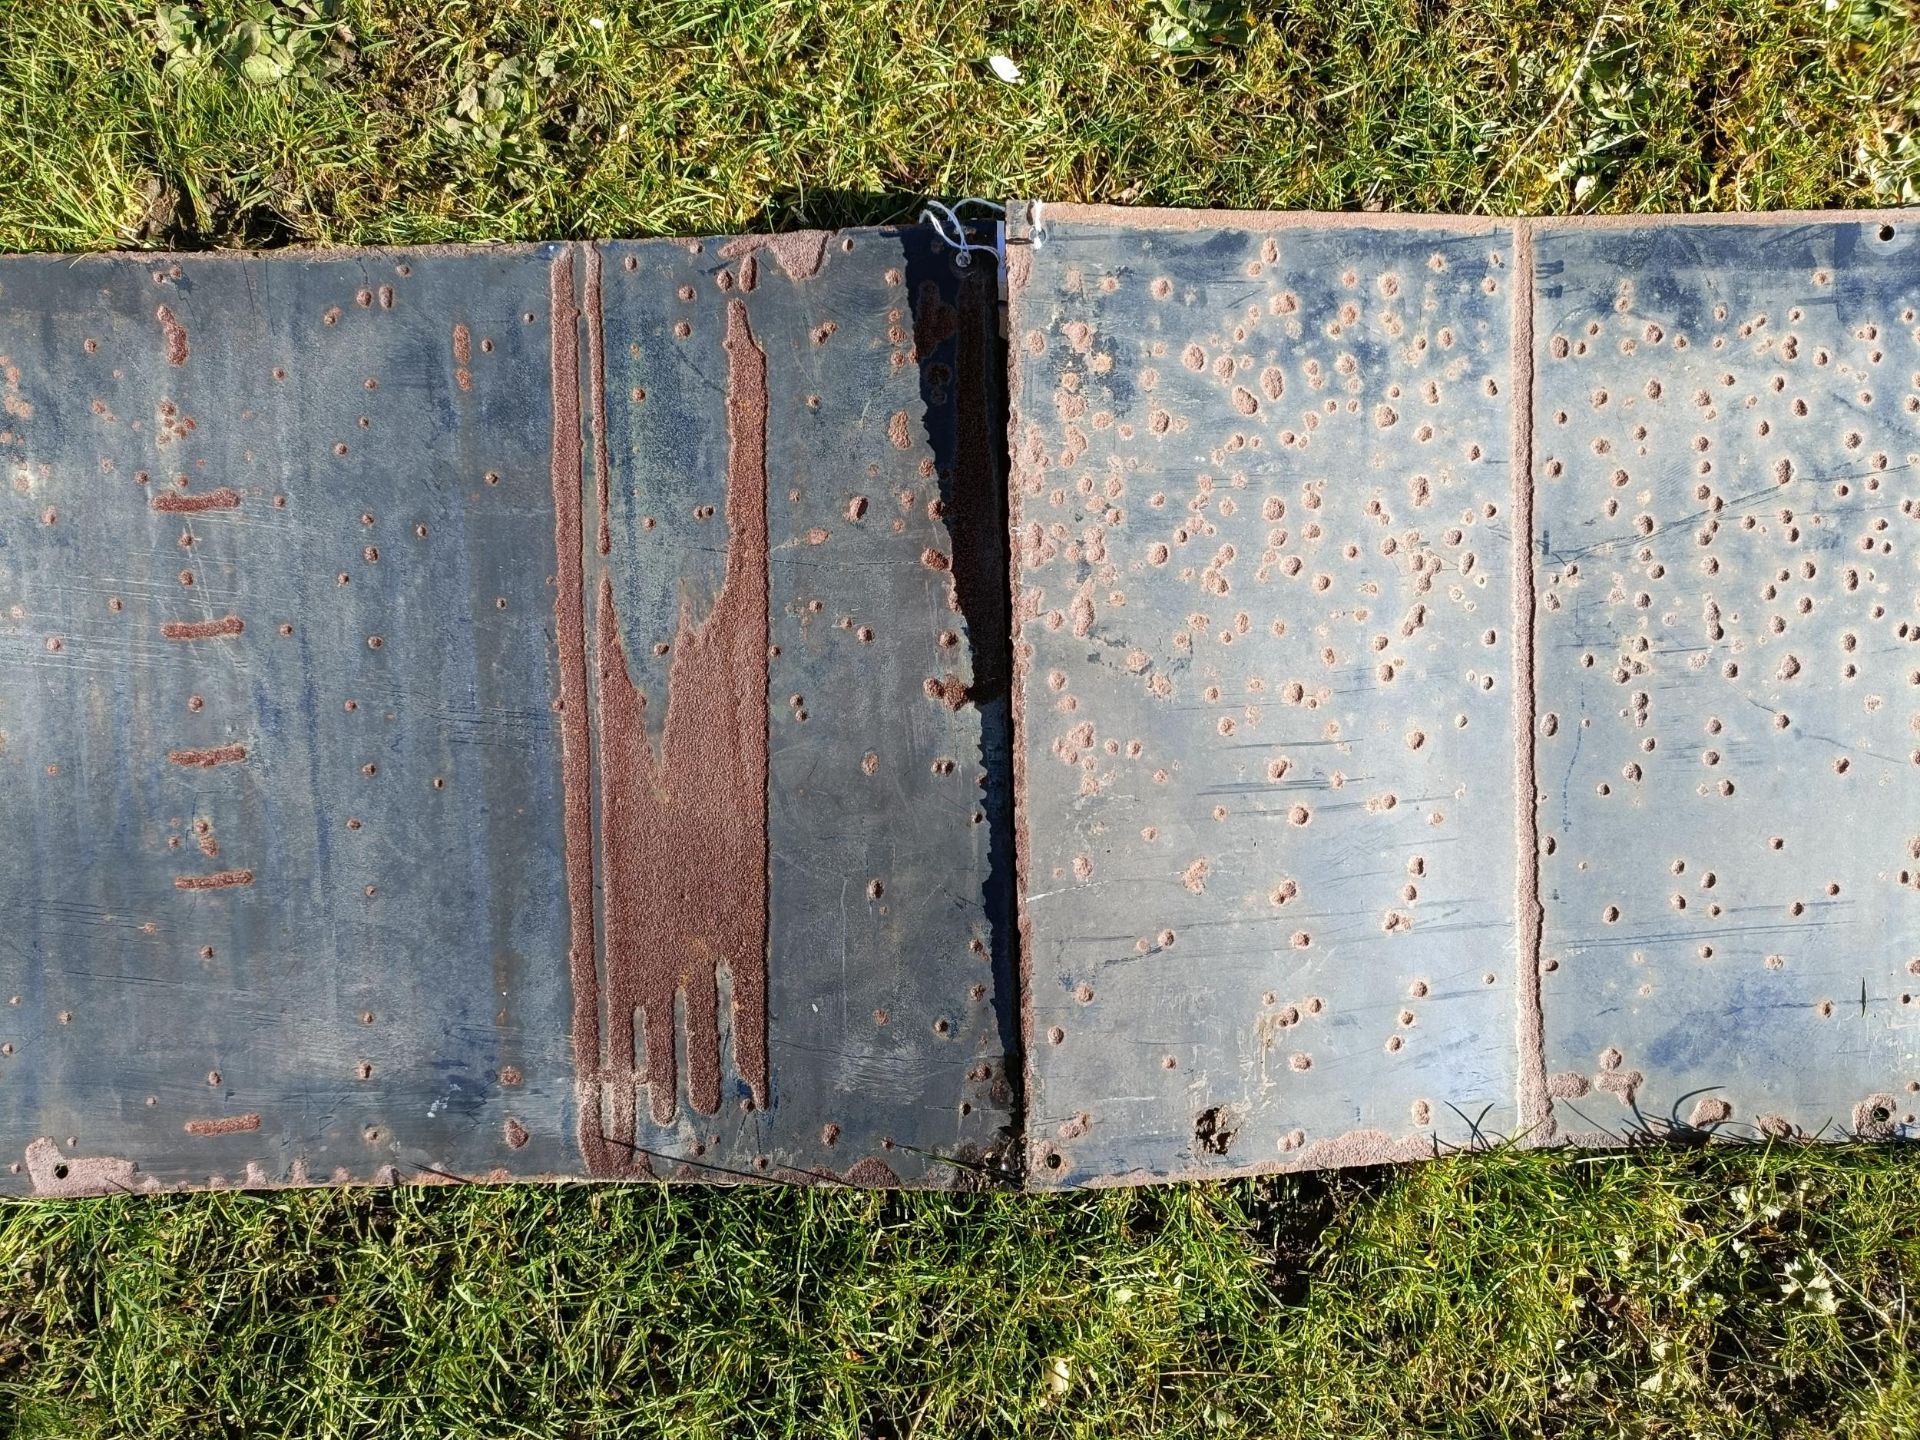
(1676,1292)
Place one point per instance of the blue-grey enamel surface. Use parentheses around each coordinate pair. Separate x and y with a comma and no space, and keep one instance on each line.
(282,897)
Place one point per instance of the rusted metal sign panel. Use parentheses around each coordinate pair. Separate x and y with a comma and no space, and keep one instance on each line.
(1726,437)
(549,711)
(1263,648)
(502,712)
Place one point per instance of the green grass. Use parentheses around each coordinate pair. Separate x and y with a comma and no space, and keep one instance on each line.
(1731,1292)
(1684,1294)
(428,120)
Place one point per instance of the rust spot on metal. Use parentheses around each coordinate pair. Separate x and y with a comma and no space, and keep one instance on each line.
(173,501)
(684,830)
(203,629)
(949,690)
(1708,1111)
(1213,1131)
(207,758)
(224,1125)
(933,319)
(57,1175)
(798,252)
(873,1173)
(219,880)
(462,357)
(1359,1147)
(175,335)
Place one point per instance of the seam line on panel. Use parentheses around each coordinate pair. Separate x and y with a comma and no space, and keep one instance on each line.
(1019,266)
(575,737)
(1535,1108)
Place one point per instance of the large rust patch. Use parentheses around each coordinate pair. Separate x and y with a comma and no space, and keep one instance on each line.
(682,818)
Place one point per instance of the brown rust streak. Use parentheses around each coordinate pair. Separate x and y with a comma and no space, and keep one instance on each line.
(601,1157)
(597,381)
(208,758)
(174,502)
(219,880)
(684,831)
(203,629)
(225,1125)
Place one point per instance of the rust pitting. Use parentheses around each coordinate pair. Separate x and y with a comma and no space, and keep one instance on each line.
(1079,492)
(218,880)
(1877,1118)
(203,629)
(174,334)
(872,1172)
(209,757)
(179,502)
(934,320)
(54,1174)
(800,253)
(949,689)
(1213,1130)
(222,1125)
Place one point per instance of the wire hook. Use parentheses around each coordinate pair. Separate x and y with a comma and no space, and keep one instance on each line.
(946,221)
